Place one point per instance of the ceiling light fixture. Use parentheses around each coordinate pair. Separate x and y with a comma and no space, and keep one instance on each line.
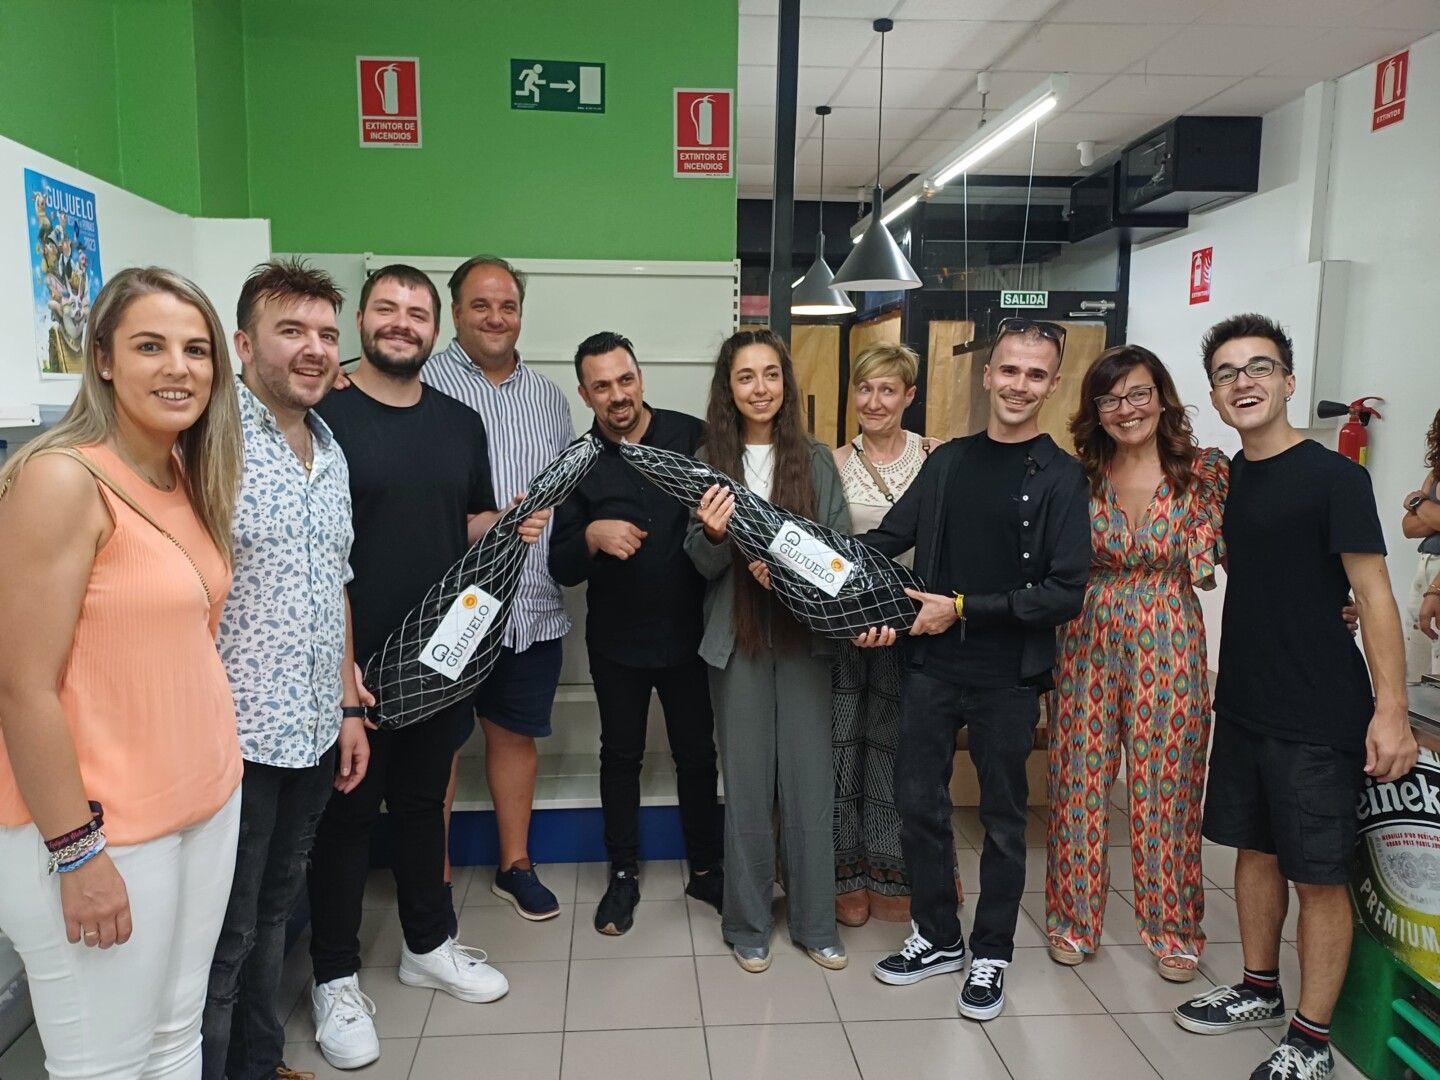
(814,294)
(996,136)
(877,264)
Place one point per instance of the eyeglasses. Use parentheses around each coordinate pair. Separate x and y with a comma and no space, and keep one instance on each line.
(1015,324)
(1138,396)
(1258,367)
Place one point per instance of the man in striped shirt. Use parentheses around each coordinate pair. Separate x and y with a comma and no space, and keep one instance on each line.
(528,422)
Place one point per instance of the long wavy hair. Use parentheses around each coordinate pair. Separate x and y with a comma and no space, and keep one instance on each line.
(212,454)
(790,486)
(1432,446)
(1174,440)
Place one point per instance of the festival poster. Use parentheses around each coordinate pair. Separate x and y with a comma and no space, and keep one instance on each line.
(64,238)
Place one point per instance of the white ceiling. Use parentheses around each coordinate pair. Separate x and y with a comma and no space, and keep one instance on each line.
(1133,64)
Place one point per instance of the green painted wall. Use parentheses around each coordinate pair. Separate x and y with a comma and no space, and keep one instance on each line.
(538,185)
(229,108)
(146,94)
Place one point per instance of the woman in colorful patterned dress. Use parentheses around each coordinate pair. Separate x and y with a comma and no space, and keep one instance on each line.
(1132,669)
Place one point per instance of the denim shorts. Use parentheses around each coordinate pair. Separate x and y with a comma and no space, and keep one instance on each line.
(520,691)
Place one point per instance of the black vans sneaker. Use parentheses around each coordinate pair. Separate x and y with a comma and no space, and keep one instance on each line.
(616,913)
(983,995)
(1230,1008)
(1296,1061)
(919,960)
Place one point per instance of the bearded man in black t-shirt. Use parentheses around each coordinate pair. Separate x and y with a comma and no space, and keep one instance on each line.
(1297,726)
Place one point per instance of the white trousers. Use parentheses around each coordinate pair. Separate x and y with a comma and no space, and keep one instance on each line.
(131,1011)
(1422,656)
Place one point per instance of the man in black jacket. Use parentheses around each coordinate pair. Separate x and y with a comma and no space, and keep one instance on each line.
(643,624)
(1000,525)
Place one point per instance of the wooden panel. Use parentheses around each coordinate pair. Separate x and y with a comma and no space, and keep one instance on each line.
(815,350)
(947,393)
(862,334)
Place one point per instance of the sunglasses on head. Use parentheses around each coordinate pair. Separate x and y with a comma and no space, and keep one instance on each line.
(1017,324)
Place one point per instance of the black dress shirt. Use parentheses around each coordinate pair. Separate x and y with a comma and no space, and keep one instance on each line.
(644,611)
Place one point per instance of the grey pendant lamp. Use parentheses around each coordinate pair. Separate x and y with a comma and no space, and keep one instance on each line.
(877,264)
(814,295)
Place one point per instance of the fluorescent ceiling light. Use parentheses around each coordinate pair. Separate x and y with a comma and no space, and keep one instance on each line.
(994,140)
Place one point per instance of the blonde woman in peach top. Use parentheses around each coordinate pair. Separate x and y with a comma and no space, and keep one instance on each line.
(119,764)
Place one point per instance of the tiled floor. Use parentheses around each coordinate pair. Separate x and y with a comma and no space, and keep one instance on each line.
(667,1002)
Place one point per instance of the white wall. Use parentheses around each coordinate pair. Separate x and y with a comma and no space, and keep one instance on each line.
(214,253)
(1333,191)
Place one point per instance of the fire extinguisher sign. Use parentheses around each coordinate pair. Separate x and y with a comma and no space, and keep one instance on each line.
(1200,263)
(389,92)
(704,145)
(1391,76)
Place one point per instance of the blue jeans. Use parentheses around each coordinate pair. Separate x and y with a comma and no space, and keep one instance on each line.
(242,1038)
(1002,732)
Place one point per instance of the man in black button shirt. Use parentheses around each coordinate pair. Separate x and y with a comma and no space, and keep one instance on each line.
(643,624)
(1000,525)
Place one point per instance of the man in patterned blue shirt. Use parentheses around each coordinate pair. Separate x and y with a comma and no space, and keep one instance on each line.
(285,640)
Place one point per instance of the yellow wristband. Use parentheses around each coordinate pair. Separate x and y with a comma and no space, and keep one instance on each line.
(959,605)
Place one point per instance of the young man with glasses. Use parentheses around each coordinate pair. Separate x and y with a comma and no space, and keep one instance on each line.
(1000,526)
(1297,725)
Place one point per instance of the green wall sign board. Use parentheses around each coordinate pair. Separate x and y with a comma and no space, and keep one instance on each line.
(1020,298)
(557,86)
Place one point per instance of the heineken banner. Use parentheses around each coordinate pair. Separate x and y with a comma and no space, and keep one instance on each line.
(1396,885)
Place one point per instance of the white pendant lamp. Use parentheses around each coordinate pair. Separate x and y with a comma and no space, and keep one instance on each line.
(814,295)
(877,264)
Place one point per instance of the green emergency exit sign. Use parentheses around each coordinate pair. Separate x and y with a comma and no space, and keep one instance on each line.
(557,86)
(1018,298)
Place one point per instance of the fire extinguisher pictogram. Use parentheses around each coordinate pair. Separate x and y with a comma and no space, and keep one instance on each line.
(387,81)
(702,114)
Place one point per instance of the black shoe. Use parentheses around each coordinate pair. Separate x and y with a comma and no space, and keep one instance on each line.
(983,995)
(452,921)
(919,960)
(708,887)
(1230,1008)
(616,913)
(1296,1061)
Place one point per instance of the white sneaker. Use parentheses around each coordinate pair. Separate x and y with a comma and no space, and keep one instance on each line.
(343,1028)
(457,969)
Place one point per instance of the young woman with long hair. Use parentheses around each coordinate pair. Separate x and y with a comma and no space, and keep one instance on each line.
(119,765)
(769,677)
(1422,522)
(1132,668)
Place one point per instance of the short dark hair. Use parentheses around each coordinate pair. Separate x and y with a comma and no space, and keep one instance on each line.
(599,344)
(284,279)
(1242,326)
(405,275)
(462,271)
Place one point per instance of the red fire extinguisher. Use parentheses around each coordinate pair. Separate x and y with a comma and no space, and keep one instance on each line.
(1353,442)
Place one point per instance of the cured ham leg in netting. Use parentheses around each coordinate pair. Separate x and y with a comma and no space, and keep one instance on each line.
(448,642)
(830,582)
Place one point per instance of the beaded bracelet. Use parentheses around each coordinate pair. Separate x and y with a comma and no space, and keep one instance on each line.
(73,853)
(97,819)
(95,849)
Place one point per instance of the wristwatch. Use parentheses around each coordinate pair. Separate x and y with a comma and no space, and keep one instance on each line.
(354,710)
(1414,501)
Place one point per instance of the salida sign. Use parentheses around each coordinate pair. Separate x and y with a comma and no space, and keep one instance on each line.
(703,144)
(389,89)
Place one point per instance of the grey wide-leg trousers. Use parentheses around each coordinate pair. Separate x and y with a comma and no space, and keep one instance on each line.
(772,721)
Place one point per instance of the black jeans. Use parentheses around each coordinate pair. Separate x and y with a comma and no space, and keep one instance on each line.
(1002,732)
(409,771)
(242,1038)
(623,696)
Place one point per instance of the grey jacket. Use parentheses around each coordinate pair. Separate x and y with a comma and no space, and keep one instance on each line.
(716,563)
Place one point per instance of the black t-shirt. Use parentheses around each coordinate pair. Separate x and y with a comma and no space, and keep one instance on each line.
(1288,666)
(415,474)
(980,553)
(644,611)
